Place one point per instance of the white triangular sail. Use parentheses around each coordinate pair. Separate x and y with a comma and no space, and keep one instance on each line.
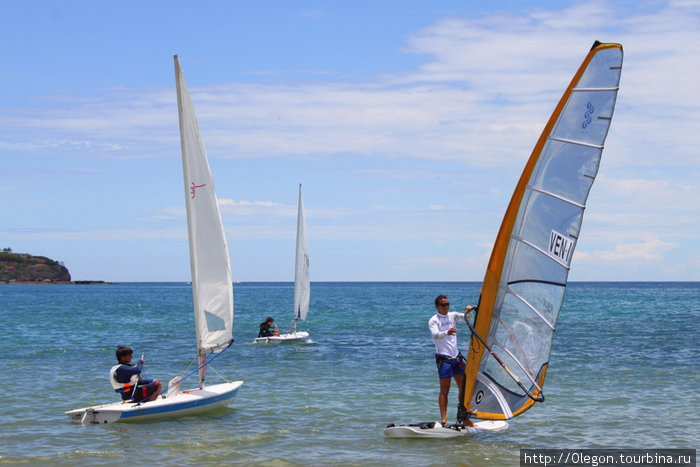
(302,283)
(212,287)
(526,277)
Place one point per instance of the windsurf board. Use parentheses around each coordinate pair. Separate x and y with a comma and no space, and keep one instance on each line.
(436,430)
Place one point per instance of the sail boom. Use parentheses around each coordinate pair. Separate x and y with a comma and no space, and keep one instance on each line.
(217,348)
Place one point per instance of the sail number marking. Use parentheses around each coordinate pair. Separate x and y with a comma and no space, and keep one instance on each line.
(587,115)
(193,189)
(561,247)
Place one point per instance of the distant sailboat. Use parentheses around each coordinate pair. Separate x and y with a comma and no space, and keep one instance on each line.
(302,285)
(526,277)
(212,288)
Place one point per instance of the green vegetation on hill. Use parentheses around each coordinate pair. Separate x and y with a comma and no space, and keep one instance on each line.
(23,267)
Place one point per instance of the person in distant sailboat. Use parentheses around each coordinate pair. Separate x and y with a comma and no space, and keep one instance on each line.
(268,328)
(125,374)
(449,360)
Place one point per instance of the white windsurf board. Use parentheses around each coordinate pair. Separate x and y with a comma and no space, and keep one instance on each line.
(436,430)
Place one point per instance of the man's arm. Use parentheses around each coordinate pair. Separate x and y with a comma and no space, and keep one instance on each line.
(435,330)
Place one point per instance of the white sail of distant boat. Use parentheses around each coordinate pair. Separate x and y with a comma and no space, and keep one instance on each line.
(526,277)
(302,285)
(527,273)
(302,279)
(212,288)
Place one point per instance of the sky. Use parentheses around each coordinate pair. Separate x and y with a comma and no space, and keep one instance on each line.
(407,122)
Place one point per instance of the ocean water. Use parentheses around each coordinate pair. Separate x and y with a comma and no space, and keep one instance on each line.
(624,373)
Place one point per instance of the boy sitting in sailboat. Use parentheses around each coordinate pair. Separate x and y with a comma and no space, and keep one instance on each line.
(268,328)
(128,380)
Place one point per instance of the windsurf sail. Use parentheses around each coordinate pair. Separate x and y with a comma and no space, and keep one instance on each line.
(302,283)
(212,286)
(526,277)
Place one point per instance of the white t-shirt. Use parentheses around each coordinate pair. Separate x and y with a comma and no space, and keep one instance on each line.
(439,324)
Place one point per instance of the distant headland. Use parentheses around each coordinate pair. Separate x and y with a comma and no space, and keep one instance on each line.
(23,268)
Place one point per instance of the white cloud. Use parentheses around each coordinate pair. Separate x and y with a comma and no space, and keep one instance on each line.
(482,96)
(649,249)
(97,235)
(475,106)
(436,207)
(268,209)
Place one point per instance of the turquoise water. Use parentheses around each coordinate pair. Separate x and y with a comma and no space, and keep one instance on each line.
(624,373)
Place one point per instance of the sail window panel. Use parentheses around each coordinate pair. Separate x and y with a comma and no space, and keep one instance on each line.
(535,265)
(545,297)
(567,170)
(524,334)
(517,337)
(491,367)
(523,212)
(546,214)
(579,120)
(603,71)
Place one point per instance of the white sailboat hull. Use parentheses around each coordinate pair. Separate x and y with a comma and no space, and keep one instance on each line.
(290,338)
(191,402)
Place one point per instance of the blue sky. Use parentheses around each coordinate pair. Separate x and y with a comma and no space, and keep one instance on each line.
(407,122)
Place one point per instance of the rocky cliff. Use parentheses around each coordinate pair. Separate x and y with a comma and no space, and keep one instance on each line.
(22,267)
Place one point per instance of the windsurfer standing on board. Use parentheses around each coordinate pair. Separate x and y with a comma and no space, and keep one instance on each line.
(450,362)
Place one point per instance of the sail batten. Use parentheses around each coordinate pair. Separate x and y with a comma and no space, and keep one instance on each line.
(527,273)
(559,284)
(579,143)
(615,89)
(554,195)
